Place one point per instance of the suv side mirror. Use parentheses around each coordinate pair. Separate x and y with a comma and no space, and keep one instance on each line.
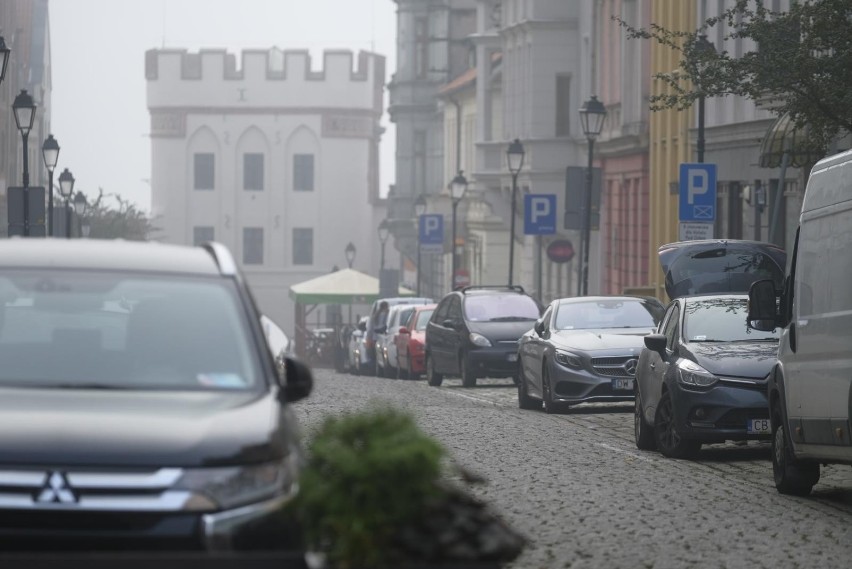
(297,381)
(656,343)
(763,306)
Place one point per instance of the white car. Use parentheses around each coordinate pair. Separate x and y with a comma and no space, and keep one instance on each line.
(358,358)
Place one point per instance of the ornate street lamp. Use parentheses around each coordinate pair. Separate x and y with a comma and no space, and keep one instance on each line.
(66,188)
(24,108)
(80,206)
(350,253)
(50,153)
(592,116)
(383,231)
(458,187)
(4,58)
(419,210)
(515,159)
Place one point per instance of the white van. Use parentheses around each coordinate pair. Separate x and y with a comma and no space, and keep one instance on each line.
(810,388)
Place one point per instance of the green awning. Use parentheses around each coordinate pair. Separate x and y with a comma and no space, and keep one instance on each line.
(346,286)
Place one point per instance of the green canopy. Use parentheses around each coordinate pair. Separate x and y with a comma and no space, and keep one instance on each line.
(346,286)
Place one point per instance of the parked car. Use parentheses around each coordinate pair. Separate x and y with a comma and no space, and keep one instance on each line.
(702,377)
(137,386)
(474,333)
(376,321)
(584,349)
(810,386)
(358,357)
(386,360)
(411,342)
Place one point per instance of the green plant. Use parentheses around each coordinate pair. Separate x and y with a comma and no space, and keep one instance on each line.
(368,474)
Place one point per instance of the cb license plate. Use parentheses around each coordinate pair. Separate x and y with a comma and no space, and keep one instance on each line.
(759,427)
(622,384)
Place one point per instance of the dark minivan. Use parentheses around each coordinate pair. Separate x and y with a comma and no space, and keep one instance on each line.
(474,333)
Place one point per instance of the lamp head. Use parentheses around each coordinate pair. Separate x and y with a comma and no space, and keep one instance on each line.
(66,183)
(458,187)
(515,156)
(592,115)
(50,152)
(383,230)
(24,108)
(420,205)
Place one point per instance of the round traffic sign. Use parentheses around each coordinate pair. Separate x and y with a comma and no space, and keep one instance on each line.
(560,251)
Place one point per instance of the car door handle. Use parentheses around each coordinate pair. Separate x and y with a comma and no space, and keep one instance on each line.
(653,365)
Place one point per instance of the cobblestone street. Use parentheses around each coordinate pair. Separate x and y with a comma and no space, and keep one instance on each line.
(578,488)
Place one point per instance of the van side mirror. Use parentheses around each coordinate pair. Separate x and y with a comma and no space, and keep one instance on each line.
(297,381)
(763,306)
(656,343)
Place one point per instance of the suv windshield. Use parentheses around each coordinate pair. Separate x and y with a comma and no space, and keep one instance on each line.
(122,331)
(601,314)
(720,319)
(500,308)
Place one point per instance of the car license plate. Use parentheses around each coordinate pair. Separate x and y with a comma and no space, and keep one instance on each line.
(622,384)
(512,357)
(759,427)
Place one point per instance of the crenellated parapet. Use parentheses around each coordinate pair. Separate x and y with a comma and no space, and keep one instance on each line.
(264,78)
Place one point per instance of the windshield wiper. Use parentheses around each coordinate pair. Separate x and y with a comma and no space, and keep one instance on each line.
(709,340)
(511,319)
(105,386)
(757,340)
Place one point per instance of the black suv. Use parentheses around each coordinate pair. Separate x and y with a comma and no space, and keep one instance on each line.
(141,403)
(474,333)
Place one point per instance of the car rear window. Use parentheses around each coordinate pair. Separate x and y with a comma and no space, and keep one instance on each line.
(500,307)
(721,270)
(119,330)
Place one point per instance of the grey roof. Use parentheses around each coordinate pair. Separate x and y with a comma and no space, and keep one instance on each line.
(99,254)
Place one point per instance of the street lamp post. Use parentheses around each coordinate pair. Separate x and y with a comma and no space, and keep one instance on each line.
(419,210)
(350,254)
(592,115)
(4,58)
(80,206)
(457,189)
(50,153)
(704,47)
(515,158)
(66,188)
(24,109)
(383,230)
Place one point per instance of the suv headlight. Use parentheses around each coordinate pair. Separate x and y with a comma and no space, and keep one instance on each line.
(568,359)
(231,487)
(479,340)
(691,374)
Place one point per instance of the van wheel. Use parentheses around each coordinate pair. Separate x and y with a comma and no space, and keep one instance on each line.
(794,477)
(642,431)
(432,377)
(669,441)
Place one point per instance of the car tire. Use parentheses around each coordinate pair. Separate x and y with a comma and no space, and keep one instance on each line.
(642,431)
(432,377)
(550,406)
(669,441)
(468,377)
(793,477)
(524,400)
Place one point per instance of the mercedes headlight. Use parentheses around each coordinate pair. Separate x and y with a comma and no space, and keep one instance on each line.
(693,375)
(231,487)
(479,340)
(568,359)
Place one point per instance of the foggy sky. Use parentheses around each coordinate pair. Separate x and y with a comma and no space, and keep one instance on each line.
(98,49)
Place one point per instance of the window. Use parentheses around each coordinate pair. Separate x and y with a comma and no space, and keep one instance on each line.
(253,171)
(253,245)
(421,49)
(205,171)
(563,105)
(303,246)
(303,172)
(202,234)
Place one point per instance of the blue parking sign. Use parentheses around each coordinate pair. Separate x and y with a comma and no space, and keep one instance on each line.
(431,234)
(697,193)
(539,214)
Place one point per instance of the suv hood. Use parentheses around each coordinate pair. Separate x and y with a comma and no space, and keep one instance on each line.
(753,360)
(719,266)
(591,340)
(79,427)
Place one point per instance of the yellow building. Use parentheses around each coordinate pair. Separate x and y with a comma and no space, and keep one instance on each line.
(669,137)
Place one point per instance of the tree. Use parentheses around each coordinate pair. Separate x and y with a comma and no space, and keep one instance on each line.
(802,65)
(121,221)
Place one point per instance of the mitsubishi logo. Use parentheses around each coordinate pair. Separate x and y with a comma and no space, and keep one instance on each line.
(56,490)
(630,367)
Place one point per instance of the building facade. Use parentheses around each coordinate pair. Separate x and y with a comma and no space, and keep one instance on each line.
(274,158)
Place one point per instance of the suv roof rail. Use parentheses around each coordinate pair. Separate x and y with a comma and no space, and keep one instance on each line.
(224,259)
(515,288)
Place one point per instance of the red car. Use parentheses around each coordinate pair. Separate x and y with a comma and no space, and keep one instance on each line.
(410,342)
